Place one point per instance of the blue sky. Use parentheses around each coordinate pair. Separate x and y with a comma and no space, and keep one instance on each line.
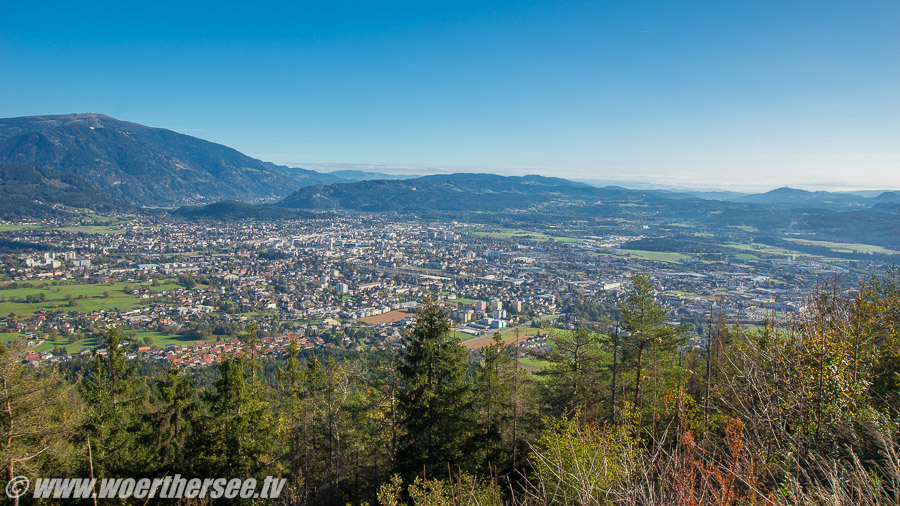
(713,93)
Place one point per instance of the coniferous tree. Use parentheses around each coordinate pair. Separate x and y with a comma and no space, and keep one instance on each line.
(436,403)
(493,382)
(649,340)
(174,419)
(290,378)
(116,403)
(38,417)
(240,429)
(575,375)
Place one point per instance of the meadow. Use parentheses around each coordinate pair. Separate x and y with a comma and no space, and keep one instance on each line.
(842,247)
(73,296)
(160,340)
(655,256)
(525,235)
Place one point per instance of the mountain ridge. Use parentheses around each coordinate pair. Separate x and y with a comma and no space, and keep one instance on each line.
(151,166)
(146,165)
(39,192)
(444,192)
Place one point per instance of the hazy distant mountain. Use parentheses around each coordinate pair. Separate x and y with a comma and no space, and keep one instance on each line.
(148,166)
(352,176)
(37,192)
(887,207)
(714,195)
(91,160)
(450,192)
(792,197)
(888,196)
(305,177)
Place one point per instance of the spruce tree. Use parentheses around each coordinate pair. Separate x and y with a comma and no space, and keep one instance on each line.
(493,382)
(436,403)
(240,430)
(174,420)
(116,402)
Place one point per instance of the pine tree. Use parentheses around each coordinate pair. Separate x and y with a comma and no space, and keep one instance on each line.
(436,404)
(38,416)
(643,319)
(575,373)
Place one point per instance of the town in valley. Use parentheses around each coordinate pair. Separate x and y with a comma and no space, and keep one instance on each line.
(186,291)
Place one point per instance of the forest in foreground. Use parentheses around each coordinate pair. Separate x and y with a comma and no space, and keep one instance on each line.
(805,412)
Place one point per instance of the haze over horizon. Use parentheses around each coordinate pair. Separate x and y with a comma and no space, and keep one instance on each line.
(738,97)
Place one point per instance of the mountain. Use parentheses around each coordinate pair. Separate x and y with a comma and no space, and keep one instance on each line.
(887,207)
(492,198)
(27,191)
(792,197)
(305,177)
(446,192)
(888,196)
(145,165)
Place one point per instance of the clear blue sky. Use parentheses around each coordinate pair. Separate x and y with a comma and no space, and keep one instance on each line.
(739,94)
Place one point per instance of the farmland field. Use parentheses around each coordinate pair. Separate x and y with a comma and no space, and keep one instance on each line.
(93,229)
(161,340)
(534,362)
(655,256)
(842,247)
(513,233)
(84,297)
(70,347)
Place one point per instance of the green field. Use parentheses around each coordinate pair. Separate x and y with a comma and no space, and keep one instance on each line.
(842,247)
(510,334)
(655,256)
(93,297)
(161,340)
(764,249)
(462,336)
(9,336)
(92,229)
(519,234)
(69,346)
(85,229)
(534,362)
(13,227)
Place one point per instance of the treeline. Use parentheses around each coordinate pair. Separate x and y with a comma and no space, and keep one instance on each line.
(678,244)
(795,415)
